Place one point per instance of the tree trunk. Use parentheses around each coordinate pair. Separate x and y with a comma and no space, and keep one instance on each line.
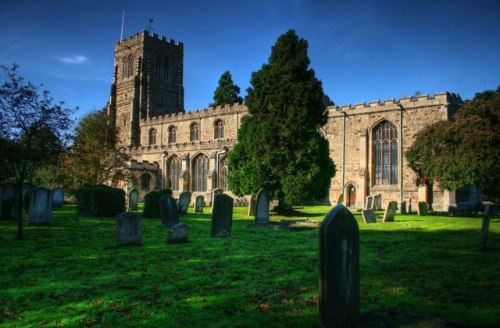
(20,228)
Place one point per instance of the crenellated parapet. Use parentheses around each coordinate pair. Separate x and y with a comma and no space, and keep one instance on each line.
(143,35)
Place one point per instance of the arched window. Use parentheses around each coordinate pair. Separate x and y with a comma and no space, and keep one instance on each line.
(158,66)
(200,170)
(174,172)
(145,181)
(194,132)
(152,137)
(172,134)
(223,173)
(219,129)
(125,69)
(166,67)
(385,152)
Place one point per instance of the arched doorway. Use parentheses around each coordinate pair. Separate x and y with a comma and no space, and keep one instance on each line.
(351,195)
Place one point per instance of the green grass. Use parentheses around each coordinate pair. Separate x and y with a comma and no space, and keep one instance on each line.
(72,274)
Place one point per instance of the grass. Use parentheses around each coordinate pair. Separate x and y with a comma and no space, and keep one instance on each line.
(415,272)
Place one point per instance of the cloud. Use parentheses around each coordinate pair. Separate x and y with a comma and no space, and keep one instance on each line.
(74,60)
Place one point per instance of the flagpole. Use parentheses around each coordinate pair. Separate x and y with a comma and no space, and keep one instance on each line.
(123,23)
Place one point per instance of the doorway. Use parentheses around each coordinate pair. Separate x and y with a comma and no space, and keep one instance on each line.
(351,195)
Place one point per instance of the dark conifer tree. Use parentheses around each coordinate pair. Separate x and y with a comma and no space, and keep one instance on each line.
(227,92)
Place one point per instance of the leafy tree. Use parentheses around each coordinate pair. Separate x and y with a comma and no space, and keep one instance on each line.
(280,147)
(463,151)
(227,92)
(33,132)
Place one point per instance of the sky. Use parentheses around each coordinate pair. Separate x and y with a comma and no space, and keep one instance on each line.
(361,50)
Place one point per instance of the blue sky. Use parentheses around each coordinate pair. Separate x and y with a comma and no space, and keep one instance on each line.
(361,50)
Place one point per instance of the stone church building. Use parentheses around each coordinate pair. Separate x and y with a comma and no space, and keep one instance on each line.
(187,151)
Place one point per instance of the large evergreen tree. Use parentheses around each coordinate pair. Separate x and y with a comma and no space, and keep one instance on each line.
(280,147)
(227,92)
(463,151)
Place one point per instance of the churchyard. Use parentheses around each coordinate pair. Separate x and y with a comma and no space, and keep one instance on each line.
(417,271)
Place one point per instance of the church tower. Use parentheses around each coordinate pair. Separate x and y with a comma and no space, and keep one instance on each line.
(147,82)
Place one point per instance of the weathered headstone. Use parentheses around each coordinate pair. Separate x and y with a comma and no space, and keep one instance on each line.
(262,208)
(168,211)
(402,208)
(423,208)
(128,229)
(369,216)
(390,211)
(485,227)
(222,216)
(339,269)
(409,206)
(184,200)
(377,202)
(133,200)
(40,206)
(58,197)
(178,233)
(251,206)
(369,203)
(215,192)
(199,204)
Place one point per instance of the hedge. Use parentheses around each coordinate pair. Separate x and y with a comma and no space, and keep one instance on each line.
(100,201)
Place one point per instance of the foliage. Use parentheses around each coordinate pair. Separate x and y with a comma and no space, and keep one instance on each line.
(256,277)
(100,201)
(33,131)
(226,92)
(152,203)
(463,151)
(280,147)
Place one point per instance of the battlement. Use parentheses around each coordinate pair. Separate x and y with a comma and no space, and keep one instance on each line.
(443,98)
(143,35)
(143,165)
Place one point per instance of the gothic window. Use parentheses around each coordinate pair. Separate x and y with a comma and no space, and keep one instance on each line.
(172,134)
(223,173)
(125,68)
(219,129)
(158,66)
(128,67)
(166,67)
(194,132)
(152,137)
(200,170)
(145,181)
(385,150)
(174,172)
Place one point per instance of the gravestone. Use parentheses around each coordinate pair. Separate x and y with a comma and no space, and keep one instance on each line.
(369,203)
(128,229)
(199,204)
(216,191)
(58,197)
(377,202)
(222,216)
(423,208)
(178,233)
(390,211)
(339,269)
(369,216)
(133,200)
(40,206)
(402,208)
(262,208)
(7,201)
(409,206)
(485,227)
(251,206)
(184,200)
(168,211)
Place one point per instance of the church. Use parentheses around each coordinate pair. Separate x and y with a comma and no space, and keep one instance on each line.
(187,151)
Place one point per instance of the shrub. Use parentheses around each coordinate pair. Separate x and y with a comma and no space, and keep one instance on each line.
(152,203)
(100,201)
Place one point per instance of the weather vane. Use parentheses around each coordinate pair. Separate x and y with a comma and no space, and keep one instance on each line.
(150,27)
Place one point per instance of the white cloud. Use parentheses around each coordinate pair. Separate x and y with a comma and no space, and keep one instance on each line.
(74,60)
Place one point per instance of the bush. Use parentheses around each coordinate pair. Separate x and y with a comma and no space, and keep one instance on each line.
(100,201)
(152,203)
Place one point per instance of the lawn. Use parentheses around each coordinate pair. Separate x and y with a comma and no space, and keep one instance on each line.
(415,272)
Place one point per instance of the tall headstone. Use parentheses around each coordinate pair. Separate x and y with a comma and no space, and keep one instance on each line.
(133,200)
(377,202)
(390,211)
(339,269)
(423,208)
(262,207)
(402,208)
(128,229)
(485,227)
(409,206)
(184,200)
(168,211)
(369,216)
(199,204)
(251,206)
(215,192)
(58,197)
(178,233)
(222,216)
(40,206)
(369,203)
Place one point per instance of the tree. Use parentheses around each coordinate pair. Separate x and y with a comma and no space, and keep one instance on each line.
(33,132)
(94,157)
(280,147)
(227,92)
(463,151)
